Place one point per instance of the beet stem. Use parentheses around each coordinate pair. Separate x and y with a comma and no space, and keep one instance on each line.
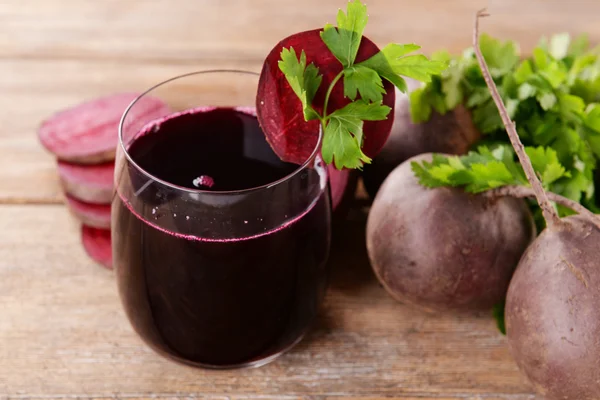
(527,192)
(548,211)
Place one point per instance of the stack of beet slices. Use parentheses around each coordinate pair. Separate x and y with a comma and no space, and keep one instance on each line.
(84,139)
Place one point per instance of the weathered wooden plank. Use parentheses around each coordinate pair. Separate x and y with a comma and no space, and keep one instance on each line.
(234,396)
(63,332)
(192,30)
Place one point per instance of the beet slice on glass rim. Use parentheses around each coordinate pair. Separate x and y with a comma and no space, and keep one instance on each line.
(279,110)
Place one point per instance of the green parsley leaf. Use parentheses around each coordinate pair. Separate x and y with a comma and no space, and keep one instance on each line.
(554,73)
(363,111)
(559,45)
(420,110)
(392,62)
(592,117)
(571,107)
(478,97)
(579,45)
(476,171)
(547,100)
(417,66)
(487,176)
(488,168)
(545,161)
(526,91)
(452,85)
(350,120)
(365,81)
(304,81)
(576,187)
(344,41)
(524,72)
(541,58)
(487,118)
(500,57)
(341,147)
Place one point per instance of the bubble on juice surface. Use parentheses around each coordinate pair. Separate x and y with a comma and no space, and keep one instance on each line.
(203,181)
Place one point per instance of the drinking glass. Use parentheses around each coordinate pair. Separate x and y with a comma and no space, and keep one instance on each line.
(217,279)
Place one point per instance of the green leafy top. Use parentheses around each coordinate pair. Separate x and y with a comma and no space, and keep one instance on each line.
(550,96)
(363,84)
(488,168)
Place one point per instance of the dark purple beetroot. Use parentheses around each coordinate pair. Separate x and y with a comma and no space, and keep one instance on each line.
(88,183)
(452,133)
(280,111)
(97,244)
(94,215)
(444,249)
(338,182)
(88,133)
(553,311)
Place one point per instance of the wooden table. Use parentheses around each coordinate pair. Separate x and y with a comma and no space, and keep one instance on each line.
(62,330)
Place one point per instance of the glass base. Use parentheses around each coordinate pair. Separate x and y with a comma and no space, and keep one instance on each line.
(255,363)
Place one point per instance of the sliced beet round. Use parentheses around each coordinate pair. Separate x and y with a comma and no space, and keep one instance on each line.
(279,110)
(88,133)
(338,183)
(88,183)
(96,243)
(94,215)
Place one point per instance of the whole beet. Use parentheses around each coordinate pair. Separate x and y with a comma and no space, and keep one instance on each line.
(443,249)
(452,133)
(553,303)
(553,311)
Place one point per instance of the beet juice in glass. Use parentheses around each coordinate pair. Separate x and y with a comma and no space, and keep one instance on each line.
(220,248)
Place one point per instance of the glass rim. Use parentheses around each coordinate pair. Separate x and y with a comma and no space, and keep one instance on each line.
(269,185)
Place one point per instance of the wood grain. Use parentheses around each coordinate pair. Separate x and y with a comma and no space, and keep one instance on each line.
(63,332)
(196,30)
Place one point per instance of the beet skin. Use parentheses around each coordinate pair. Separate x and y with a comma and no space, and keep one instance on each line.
(443,249)
(553,312)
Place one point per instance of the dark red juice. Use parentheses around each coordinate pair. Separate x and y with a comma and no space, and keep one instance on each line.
(229,299)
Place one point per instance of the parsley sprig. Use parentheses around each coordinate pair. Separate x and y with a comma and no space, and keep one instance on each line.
(488,168)
(363,84)
(551,96)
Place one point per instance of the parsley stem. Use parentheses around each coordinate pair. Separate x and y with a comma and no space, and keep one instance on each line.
(329,90)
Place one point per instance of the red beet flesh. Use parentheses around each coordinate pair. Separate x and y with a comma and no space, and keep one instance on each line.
(93,215)
(88,183)
(280,111)
(88,133)
(338,183)
(97,245)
